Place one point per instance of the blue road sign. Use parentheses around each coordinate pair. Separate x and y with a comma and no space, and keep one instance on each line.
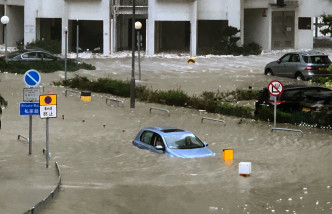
(31,78)
(29,108)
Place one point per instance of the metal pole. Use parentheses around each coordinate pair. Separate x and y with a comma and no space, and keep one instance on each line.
(132,81)
(66,32)
(77,38)
(47,152)
(5,28)
(30,134)
(139,54)
(275,112)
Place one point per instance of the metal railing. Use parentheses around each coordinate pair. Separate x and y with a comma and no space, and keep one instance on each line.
(41,205)
(71,91)
(20,136)
(160,109)
(113,99)
(213,119)
(288,130)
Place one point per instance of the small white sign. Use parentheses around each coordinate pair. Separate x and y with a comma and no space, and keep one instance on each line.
(47,111)
(31,94)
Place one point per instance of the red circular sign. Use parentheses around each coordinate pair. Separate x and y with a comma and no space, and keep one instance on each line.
(275,88)
(48,100)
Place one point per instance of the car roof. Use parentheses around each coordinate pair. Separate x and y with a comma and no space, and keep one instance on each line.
(291,87)
(165,130)
(308,53)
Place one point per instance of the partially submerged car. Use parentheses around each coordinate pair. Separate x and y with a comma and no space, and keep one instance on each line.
(30,56)
(173,142)
(297,98)
(27,56)
(300,65)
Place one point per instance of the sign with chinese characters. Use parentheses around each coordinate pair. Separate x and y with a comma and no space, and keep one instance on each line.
(29,108)
(47,105)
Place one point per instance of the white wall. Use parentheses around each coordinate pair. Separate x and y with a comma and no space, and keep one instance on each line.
(256,27)
(212,9)
(314,8)
(15,25)
(172,10)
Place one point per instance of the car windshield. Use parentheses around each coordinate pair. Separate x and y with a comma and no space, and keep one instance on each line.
(320,59)
(183,141)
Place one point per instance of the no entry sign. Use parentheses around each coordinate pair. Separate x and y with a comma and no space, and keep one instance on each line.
(275,88)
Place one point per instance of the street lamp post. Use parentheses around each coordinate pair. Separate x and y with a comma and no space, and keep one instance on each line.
(5,21)
(132,81)
(138,26)
(77,39)
(66,35)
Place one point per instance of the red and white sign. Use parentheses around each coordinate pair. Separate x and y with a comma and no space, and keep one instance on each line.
(275,88)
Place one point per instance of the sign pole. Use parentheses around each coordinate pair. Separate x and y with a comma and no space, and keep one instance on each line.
(275,112)
(47,157)
(30,134)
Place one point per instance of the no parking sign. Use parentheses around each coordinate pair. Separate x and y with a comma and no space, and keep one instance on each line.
(32,78)
(275,88)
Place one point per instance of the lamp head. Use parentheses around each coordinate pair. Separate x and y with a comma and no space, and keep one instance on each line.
(138,25)
(5,20)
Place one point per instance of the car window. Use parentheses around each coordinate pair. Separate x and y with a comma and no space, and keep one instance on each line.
(146,137)
(31,55)
(305,59)
(293,95)
(158,141)
(320,59)
(47,56)
(295,58)
(285,58)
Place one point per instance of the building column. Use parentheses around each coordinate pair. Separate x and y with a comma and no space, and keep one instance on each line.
(150,28)
(106,37)
(193,26)
(234,15)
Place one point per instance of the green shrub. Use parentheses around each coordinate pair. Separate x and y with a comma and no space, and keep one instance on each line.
(238,111)
(53,46)
(267,114)
(228,44)
(252,49)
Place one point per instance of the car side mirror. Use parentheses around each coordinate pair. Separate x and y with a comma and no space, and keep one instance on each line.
(278,61)
(159,147)
(206,144)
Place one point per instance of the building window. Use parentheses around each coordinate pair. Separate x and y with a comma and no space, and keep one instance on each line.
(305,23)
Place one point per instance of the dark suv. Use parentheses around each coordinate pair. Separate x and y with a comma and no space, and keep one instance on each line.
(300,65)
(297,98)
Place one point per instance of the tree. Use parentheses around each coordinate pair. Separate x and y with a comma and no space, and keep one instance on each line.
(3,103)
(327,21)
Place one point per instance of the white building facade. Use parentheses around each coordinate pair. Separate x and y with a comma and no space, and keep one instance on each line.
(191,26)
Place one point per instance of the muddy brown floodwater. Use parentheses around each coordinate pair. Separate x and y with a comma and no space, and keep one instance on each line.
(103,173)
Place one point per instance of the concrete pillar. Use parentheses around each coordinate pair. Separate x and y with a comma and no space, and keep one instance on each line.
(193,26)
(112,36)
(64,26)
(106,37)
(234,14)
(150,34)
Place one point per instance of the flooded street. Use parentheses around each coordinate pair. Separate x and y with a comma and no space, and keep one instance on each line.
(102,172)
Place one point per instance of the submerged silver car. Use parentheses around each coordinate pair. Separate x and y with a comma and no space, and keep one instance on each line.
(300,65)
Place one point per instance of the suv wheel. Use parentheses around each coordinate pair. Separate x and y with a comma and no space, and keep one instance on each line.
(299,77)
(268,72)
